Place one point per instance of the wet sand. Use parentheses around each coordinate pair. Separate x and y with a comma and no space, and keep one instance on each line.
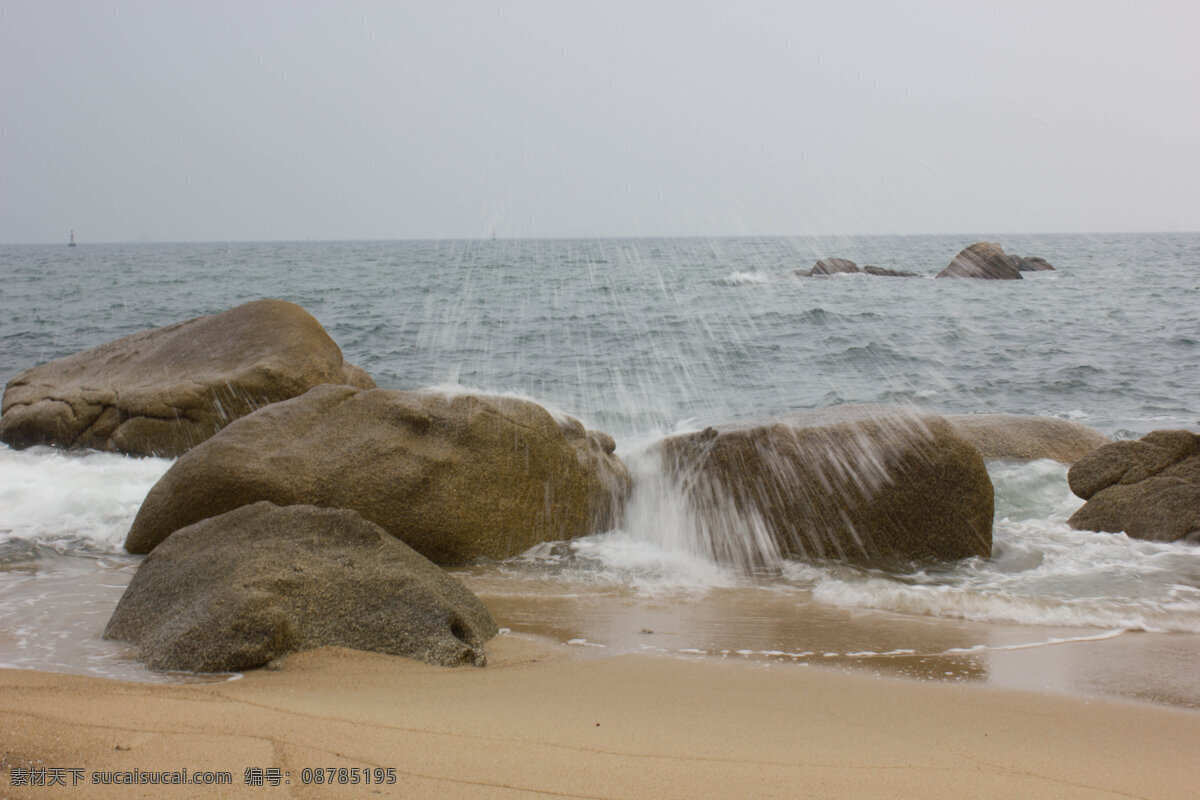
(787,628)
(53,619)
(540,722)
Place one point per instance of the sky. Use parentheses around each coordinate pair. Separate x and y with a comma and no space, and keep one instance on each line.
(264,121)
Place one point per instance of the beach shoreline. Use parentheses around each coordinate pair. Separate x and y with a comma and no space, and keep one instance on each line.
(773,625)
(1063,665)
(539,720)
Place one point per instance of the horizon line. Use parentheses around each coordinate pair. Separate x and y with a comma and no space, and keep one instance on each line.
(624,237)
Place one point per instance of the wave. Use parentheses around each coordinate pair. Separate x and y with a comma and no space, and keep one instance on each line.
(745,279)
(67,499)
(1041,572)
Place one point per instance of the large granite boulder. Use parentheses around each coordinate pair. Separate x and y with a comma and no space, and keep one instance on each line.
(163,391)
(1148,489)
(241,589)
(865,484)
(1019,437)
(456,477)
(982,260)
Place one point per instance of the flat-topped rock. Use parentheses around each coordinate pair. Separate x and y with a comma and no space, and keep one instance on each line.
(241,589)
(456,477)
(888,273)
(163,391)
(844,266)
(1019,437)
(866,484)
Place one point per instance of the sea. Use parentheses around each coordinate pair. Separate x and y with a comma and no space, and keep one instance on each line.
(642,338)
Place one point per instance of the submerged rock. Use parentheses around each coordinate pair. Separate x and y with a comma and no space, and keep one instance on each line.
(888,273)
(241,589)
(456,477)
(864,484)
(985,260)
(1017,437)
(163,391)
(1148,489)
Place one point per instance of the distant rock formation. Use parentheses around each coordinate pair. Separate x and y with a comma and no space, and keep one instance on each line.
(986,260)
(835,266)
(239,590)
(1017,437)
(864,484)
(981,260)
(888,273)
(163,391)
(831,266)
(1148,489)
(456,477)
(1033,264)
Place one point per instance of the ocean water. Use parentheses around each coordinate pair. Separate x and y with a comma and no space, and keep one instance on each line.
(645,337)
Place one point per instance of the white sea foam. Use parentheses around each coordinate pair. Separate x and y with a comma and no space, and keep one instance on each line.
(746,279)
(1041,573)
(49,496)
(1053,640)
(649,568)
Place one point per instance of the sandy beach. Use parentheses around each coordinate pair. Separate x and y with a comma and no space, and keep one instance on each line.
(599,400)
(539,721)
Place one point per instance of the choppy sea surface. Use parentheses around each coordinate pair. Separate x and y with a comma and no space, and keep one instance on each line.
(643,337)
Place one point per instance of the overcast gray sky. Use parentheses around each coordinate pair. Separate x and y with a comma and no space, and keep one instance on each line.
(192,121)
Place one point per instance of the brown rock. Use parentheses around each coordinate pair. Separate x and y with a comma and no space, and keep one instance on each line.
(1148,489)
(241,589)
(835,266)
(888,273)
(1016,437)
(1129,461)
(454,477)
(981,260)
(163,391)
(864,484)
(831,266)
(1033,264)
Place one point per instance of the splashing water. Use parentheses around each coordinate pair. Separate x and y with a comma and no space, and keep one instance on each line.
(642,338)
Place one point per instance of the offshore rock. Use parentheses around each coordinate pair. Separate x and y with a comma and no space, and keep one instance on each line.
(1018,437)
(888,273)
(163,391)
(835,266)
(831,266)
(244,588)
(456,477)
(1148,489)
(863,484)
(1033,264)
(985,260)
